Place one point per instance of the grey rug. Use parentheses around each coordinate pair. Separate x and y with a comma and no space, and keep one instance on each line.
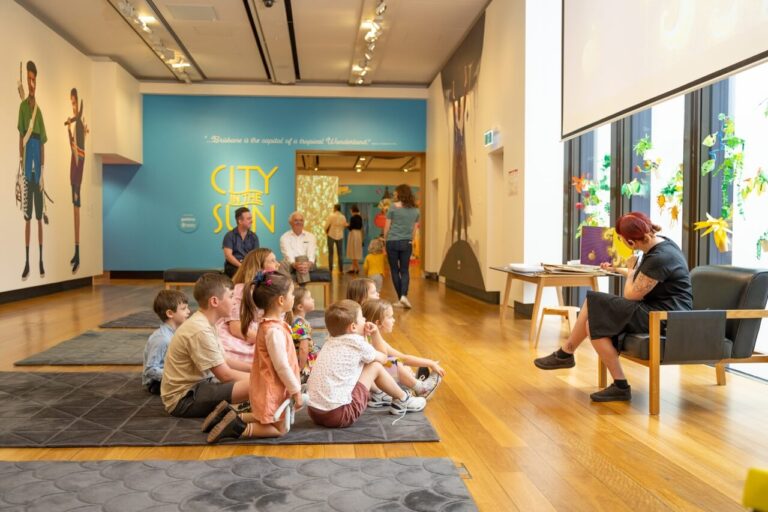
(238,483)
(93,348)
(112,409)
(147,319)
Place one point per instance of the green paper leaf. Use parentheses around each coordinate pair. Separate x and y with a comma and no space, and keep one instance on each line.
(707,167)
(710,140)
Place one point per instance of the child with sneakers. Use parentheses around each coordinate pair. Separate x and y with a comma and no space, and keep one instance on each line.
(380,313)
(172,307)
(275,370)
(301,330)
(196,376)
(375,262)
(361,290)
(236,341)
(347,367)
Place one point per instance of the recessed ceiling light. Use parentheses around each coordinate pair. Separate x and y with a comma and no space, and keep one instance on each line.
(359,170)
(147,19)
(362,159)
(405,170)
(179,65)
(371,36)
(315,168)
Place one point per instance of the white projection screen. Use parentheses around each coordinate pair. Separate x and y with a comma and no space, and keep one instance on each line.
(620,56)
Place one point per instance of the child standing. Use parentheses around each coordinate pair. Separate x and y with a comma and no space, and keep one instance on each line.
(238,343)
(375,262)
(275,370)
(301,330)
(380,312)
(347,367)
(172,307)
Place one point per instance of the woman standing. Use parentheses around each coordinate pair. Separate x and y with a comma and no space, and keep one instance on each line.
(660,282)
(334,229)
(399,231)
(355,239)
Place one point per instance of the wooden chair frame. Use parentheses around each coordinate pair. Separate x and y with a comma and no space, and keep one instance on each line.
(654,354)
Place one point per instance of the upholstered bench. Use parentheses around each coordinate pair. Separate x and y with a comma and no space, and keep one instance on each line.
(728,303)
(177,277)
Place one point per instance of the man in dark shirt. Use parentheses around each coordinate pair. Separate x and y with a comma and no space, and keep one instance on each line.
(239,242)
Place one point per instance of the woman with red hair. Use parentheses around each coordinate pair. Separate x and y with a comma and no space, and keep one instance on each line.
(660,282)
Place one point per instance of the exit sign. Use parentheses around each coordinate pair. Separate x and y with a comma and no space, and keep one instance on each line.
(488,138)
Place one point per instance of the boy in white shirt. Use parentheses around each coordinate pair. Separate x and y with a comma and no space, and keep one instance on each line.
(347,367)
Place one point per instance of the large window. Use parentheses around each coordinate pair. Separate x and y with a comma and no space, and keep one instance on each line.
(749,117)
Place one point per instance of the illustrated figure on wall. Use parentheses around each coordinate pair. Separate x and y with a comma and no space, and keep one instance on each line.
(76,165)
(30,183)
(459,80)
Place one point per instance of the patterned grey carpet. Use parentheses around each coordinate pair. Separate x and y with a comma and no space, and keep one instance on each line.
(238,483)
(147,319)
(94,348)
(112,409)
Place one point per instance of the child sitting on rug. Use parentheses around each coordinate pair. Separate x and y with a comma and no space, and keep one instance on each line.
(236,341)
(375,262)
(301,330)
(362,289)
(196,376)
(275,370)
(380,312)
(172,307)
(347,367)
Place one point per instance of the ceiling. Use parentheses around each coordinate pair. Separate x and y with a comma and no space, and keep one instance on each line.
(337,162)
(293,41)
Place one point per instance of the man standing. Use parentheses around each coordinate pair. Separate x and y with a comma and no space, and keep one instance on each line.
(76,165)
(299,249)
(32,139)
(239,242)
(334,228)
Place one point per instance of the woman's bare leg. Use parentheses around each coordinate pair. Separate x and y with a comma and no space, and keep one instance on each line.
(610,357)
(579,332)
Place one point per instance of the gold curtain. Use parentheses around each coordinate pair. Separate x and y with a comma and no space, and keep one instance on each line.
(315,197)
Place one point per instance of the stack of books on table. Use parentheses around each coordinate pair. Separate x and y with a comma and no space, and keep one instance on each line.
(571,269)
(524,268)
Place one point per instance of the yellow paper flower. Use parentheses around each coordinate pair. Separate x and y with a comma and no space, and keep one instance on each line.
(719,229)
(675,213)
(661,200)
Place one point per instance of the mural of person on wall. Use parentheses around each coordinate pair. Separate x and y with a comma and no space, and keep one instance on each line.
(32,139)
(77,130)
(459,82)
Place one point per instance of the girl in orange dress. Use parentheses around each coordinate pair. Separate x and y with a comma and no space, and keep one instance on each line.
(275,370)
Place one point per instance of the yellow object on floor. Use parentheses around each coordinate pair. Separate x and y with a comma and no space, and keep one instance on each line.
(756,490)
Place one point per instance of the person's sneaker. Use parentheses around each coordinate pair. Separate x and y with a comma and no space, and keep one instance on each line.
(379,399)
(405,302)
(42,269)
(612,393)
(25,272)
(229,426)
(429,385)
(215,416)
(409,404)
(552,362)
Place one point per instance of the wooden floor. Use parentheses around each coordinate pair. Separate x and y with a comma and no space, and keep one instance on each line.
(531,440)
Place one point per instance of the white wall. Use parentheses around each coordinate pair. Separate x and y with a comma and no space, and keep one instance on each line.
(60,68)
(118,111)
(517,216)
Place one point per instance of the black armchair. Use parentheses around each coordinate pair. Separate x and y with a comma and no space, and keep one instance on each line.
(729,303)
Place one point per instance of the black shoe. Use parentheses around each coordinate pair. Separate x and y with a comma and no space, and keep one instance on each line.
(75,265)
(612,393)
(72,261)
(552,362)
(215,416)
(42,269)
(230,426)
(25,273)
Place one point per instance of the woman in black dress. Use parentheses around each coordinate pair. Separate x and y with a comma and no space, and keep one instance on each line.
(660,282)
(355,239)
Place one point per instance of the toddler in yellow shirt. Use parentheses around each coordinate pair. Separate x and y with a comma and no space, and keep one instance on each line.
(375,262)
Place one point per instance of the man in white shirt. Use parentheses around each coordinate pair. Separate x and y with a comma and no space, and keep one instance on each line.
(299,249)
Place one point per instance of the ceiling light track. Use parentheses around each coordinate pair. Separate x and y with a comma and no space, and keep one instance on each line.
(372,28)
(258,39)
(149,24)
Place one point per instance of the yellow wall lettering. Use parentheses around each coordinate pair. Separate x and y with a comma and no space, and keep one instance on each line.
(249,196)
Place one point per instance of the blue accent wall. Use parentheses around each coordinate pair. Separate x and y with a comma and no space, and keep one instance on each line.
(161,214)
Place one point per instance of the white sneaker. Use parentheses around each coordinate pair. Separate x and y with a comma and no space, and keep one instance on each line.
(379,399)
(405,302)
(429,385)
(409,404)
